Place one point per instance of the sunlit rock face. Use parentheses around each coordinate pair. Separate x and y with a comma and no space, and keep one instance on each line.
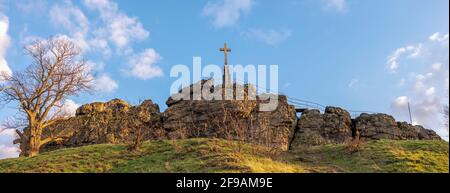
(336,126)
(242,120)
(231,119)
(314,128)
(382,126)
(110,122)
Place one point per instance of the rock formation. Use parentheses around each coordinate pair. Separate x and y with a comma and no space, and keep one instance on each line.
(116,121)
(231,119)
(382,126)
(313,128)
(336,126)
(110,122)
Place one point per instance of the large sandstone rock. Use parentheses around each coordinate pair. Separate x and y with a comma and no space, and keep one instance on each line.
(98,107)
(110,122)
(116,121)
(231,119)
(336,126)
(274,128)
(314,128)
(376,126)
(382,126)
(416,132)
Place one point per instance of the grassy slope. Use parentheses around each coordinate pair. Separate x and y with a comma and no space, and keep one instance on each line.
(192,155)
(213,155)
(377,156)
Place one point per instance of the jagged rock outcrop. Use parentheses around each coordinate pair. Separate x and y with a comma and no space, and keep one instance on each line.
(382,126)
(113,121)
(110,122)
(116,121)
(336,126)
(231,119)
(314,128)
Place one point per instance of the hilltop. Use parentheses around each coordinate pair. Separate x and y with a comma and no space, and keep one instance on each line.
(217,155)
(117,122)
(230,136)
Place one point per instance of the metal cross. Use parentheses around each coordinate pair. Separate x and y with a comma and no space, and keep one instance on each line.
(225,51)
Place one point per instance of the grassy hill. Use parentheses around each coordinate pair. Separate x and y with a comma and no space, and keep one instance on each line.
(214,155)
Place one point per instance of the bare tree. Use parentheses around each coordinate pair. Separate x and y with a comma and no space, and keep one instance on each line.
(234,121)
(138,131)
(55,73)
(138,134)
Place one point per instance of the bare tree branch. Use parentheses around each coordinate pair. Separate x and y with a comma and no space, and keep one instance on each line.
(56,72)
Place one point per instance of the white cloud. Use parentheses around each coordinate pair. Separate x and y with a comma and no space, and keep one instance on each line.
(121,29)
(338,5)
(226,13)
(401,102)
(428,89)
(8,152)
(415,51)
(430,92)
(437,37)
(100,4)
(271,37)
(95,66)
(4,43)
(436,66)
(411,52)
(104,83)
(26,38)
(73,20)
(111,29)
(69,107)
(143,66)
(353,82)
(7,148)
(66,108)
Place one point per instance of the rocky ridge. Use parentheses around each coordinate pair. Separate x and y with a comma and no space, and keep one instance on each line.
(116,121)
(337,126)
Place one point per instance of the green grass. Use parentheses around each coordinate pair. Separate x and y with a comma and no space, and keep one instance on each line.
(192,155)
(383,156)
(214,155)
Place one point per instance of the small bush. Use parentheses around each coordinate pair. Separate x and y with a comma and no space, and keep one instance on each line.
(354,145)
(137,138)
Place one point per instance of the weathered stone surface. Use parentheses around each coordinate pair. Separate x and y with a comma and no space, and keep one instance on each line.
(98,107)
(275,128)
(308,130)
(231,119)
(382,126)
(336,126)
(376,126)
(426,134)
(314,128)
(110,122)
(115,122)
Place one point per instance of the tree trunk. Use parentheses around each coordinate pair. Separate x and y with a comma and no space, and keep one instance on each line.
(34,141)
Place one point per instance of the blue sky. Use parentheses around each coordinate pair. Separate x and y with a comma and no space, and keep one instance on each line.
(357,54)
